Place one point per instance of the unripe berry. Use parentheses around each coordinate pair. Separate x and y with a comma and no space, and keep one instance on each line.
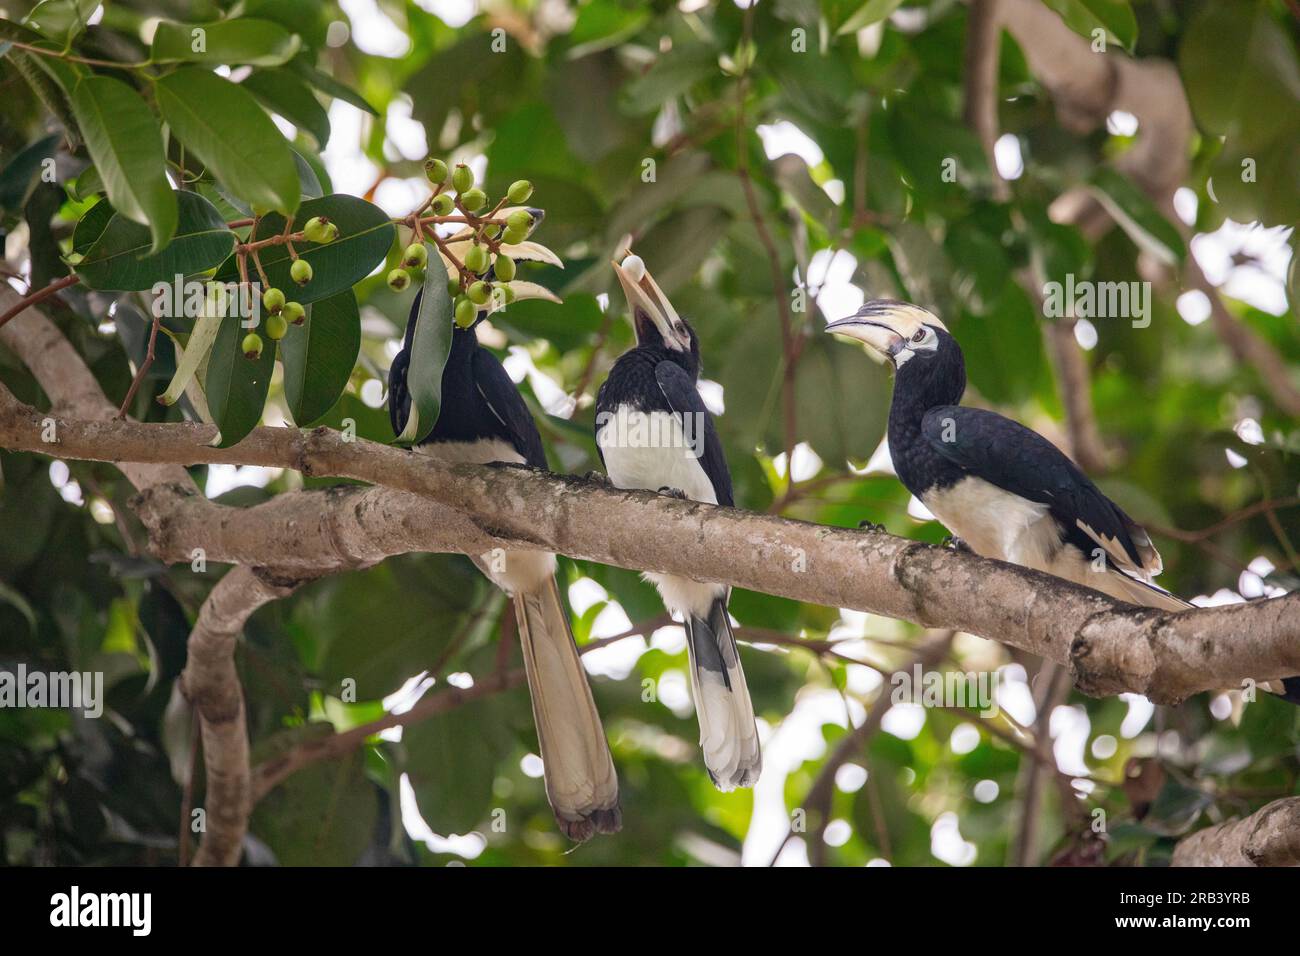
(276,326)
(505,268)
(462,178)
(479,292)
(252,345)
(273,301)
(294,313)
(519,220)
(415,255)
(300,271)
(519,192)
(473,199)
(319,229)
(398,279)
(465,312)
(436,170)
(442,204)
(513,236)
(476,259)
(453,286)
(506,292)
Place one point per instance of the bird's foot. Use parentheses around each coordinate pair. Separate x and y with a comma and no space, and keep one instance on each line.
(668,492)
(954,543)
(871,526)
(598,477)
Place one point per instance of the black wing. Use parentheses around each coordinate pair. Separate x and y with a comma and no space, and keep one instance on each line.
(1023,462)
(684,399)
(506,404)
(399,399)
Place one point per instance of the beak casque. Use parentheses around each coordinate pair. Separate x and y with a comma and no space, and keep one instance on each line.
(884,325)
(648,304)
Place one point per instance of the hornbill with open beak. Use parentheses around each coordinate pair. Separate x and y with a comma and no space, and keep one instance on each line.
(654,432)
(1001,488)
(484,419)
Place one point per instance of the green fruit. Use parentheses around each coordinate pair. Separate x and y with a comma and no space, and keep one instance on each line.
(473,199)
(476,259)
(462,178)
(276,326)
(415,255)
(442,204)
(398,279)
(465,312)
(300,271)
(273,301)
(319,229)
(492,231)
(519,192)
(252,345)
(505,268)
(436,170)
(506,292)
(479,292)
(512,236)
(294,313)
(519,220)
(453,286)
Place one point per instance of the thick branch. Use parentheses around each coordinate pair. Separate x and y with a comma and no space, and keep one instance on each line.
(1110,647)
(1268,837)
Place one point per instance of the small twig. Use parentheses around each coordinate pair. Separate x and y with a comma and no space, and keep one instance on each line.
(143,370)
(40,295)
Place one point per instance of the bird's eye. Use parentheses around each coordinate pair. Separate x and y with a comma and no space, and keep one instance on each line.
(919,336)
(680,329)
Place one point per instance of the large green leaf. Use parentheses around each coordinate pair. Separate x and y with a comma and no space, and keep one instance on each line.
(225,127)
(119,258)
(318,356)
(1086,16)
(365,236)
(430,347)
(19,174)
(61,20)
(289,96)
(236,386)
(1137,215)
(244,40)
(125,142)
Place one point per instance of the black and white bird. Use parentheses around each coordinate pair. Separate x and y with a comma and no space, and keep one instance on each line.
(654,432)
(1004,490)
(484,419)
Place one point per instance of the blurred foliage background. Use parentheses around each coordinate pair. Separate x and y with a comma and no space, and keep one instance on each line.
(649,120)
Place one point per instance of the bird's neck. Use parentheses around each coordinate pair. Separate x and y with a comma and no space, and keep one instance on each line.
(916,391)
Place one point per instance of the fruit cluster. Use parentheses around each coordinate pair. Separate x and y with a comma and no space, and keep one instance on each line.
(280,311)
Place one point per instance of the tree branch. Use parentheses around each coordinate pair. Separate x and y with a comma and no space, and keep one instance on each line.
(1110,647)
(1268,837)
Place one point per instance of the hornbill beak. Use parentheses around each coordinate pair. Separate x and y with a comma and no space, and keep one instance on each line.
(885,325)
(649,306)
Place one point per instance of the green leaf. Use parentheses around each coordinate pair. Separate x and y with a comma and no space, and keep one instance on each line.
(91,226)
(873,11)
(225,127)
(330,86)
(52,93)
(318,356)
(673,74)
(365,236)
(1085,16)
(430,347)
(291,98)
(125,143)
(119,258)
(236,386)
(1240,71)
(243,40)
(19,175)
(1137,215)
(197,349)
(61,20)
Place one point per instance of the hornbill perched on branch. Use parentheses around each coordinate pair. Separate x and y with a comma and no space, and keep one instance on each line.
(654,432)
(484,419)
(1002,489)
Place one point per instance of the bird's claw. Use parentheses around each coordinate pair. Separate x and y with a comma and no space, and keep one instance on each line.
(954,543)
(599,477)
(871,526)
(668,492)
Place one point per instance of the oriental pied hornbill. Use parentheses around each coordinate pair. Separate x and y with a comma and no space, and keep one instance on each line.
(484,419)
(653,432)
(1001,488)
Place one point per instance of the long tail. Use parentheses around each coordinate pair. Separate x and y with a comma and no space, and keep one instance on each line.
(1130,589)
(580,780)
(728,735)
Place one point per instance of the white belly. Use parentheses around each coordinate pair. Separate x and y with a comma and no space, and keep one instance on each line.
(996,523)
(651,451)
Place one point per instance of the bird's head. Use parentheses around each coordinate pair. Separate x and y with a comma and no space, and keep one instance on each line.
(913,340)
(653,316)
